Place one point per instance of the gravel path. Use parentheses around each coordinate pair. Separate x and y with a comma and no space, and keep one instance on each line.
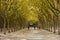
(31,34)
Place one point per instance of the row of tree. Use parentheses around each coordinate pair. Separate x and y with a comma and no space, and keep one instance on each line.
(11,17)
(49,15)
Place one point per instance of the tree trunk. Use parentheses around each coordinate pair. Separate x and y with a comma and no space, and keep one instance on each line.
(4,26)
(8,26)
(54,28)
(51,28)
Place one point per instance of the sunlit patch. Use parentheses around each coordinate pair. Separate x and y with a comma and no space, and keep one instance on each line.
(23,39)
(7,39)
